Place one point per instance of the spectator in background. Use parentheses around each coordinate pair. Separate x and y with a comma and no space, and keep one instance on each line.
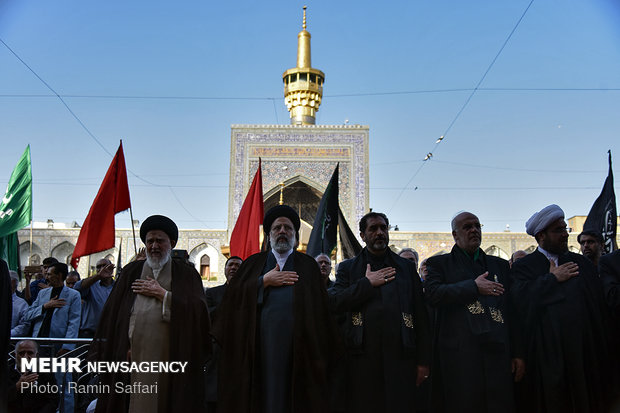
(19,327)
(40,279)
(591,243)
(72,278)
(517,255)
(411,255)
(325,265)
(94,291)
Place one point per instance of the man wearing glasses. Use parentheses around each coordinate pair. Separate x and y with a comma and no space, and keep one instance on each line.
(94,291)
(559,300)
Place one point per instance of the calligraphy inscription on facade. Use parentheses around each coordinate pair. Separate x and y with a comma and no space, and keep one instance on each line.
(305,152)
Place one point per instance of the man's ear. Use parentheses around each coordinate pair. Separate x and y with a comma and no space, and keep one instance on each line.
(173,243)
(454,235)
(362,236)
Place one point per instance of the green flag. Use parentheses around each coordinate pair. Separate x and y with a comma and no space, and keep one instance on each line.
(9,252)
(16,205)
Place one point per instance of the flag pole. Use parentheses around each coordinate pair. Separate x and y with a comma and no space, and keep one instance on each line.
(133,230)
(30,253)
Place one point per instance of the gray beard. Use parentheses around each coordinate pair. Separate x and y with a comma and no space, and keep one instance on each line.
(282,246)
(158,264)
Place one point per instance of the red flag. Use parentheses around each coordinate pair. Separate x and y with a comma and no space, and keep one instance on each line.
(97,233)
(244,240)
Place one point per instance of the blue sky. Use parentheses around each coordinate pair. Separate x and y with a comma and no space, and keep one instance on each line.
(536,132)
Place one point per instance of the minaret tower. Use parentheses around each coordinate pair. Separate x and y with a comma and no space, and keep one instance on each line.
(303,85)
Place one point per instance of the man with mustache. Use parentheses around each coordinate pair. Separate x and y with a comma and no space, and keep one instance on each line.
(472,366)
(156,311)
(275,329)
(559,298)
(386,328)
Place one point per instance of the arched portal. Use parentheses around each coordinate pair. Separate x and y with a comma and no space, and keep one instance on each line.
(497,251)
(206,259)
(62,252)
(299,193)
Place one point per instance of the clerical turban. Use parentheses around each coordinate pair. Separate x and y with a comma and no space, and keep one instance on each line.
(280,211)
(542,219)
(161,223)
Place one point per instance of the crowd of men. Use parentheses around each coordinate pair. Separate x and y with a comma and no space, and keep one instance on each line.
(459,332)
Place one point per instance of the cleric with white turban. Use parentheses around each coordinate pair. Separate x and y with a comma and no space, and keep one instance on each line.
(543,218)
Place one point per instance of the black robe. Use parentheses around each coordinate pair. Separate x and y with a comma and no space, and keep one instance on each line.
(472,352)
(6,306)
(31,402)
(568,359)
(609,268)
(189,338)
(386,332)
(240,330)
(214,297)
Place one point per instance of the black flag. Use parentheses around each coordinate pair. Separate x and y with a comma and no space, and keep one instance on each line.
(350,245)
(603,215)
(325,227)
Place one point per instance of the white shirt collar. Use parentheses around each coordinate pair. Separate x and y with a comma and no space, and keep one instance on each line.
(550,256)
(281,258)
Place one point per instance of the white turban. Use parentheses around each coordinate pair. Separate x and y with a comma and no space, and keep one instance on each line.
(541,219)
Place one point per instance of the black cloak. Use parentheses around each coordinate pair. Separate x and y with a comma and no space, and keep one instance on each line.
(189,338)
(237,329)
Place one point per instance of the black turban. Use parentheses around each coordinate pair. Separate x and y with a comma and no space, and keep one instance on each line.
(280,211)
(161,223)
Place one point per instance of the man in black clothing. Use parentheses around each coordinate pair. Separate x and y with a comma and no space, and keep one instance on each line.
(275,329)
(214,298)
(609,269)
(472,360)
(559,298)
(386,330)
(22,397)
(5,327)
(215,294)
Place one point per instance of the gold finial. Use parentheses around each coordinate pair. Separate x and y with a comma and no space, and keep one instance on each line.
(281,193)
(303,85)
(303,26)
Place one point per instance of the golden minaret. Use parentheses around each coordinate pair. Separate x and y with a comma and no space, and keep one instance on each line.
(303,85)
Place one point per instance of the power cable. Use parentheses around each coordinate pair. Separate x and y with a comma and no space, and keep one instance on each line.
(458,114)
(80,121)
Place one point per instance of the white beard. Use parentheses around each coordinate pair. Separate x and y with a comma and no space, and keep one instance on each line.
(282,246)
(158,263)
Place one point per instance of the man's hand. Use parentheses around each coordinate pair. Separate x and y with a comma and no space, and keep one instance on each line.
(28,277)
(518,369)
(55,303)
(106,272)
(149,288)
(27,377)
(141,255)
(488,287)
(565,271)
(380,277)
(43,286)
(423,373)
(277,278)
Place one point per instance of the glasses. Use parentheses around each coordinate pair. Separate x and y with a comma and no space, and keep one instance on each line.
(561,230)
